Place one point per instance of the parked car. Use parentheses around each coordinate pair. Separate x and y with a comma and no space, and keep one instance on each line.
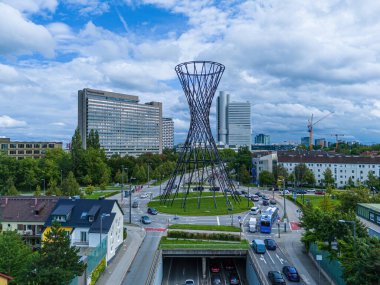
(189,282)
(135,204)
(276,278)
(234,279)
(255,210)
(237,192)
(311,191)
(287,192)
(216,279)
(214,267)
(255,198)
(152,211)
(243,192)
(198,188)
(301,191)
(291,273)
(272,202)
(258,246)
(215,188)
(319,192)
(270,244)
(265,203)
(144,195)
(258,194)
(145,220)
(264,197)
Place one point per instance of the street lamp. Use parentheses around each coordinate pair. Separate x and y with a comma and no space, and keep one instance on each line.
(285,216)
(354,223)
(160,182)
(130,199)
(101,226)
(122,180)
(43,179)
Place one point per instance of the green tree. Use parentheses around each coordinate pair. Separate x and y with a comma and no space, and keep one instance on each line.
(10,188)
(38,191)
(58,262)
(372,181)
(328,178)
(350,183)
(16,257)
(303,175)
(244,175)
(77,154)
(70,186)
(350,198)
(266,178)
(53,189)
(280,170)
(93,139)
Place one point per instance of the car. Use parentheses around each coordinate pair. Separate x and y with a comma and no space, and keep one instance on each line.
(319,192)
(198,188)
(237,192)
(215,188)
(145,220)
(234,278)
(291,273)
(214,267)
(276,189)
(228,265)
(258,246)
(264,197)
(255,210)
(243,192)
(287,192)
(152,211)
(301,191)
(228,190)
(270,244)
(276,278)
(144,195)
(255,198)
(311,191)
(272,202)
(258,194)
(135,204)
(189,282)
(216,279)
(265,203)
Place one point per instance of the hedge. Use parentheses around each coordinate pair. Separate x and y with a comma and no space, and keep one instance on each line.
(98,271)
(203,236)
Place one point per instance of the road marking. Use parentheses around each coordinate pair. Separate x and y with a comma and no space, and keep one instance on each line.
(271,257)
(170,267)
(217,220)
(155,229)
(280,259)
(262,258)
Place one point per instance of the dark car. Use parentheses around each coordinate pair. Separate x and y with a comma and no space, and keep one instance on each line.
(216,279)
(152,211)
(243,192)
(300,191)
(258,194)
(135,204)
(319,192)
(265,197)
(270,244)
(145,220)
(198,188)
(214,267)
(276,278)
(272,201)
(237,192)
(234,278)
(228,265)
(215,188)
(291,273)
(265,203)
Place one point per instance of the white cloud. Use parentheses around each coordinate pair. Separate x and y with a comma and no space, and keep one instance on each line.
(8,122)
(32,6)
(19,36)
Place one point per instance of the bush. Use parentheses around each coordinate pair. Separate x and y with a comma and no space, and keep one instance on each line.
(125,234)
(203,236)
(98,271)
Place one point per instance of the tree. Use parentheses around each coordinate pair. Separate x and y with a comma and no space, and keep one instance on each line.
(303,175)
(16,257)
(58,262)
(53,189)
(10,188)
(328,178)
(350,183)
(372,181)
(38,191)
(349,199)
(77,154)
(245,177)
(70,186)
(266,178)
(93,139)
(280,170)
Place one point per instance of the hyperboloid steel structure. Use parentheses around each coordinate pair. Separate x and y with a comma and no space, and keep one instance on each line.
(199,167)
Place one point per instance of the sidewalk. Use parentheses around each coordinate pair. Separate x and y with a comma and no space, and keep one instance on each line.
(119,265)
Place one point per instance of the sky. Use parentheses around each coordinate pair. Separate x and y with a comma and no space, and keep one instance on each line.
(289,59)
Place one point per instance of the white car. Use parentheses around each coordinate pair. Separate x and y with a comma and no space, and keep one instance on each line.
(189,282)
(144,195)
(286,192)
(254,211)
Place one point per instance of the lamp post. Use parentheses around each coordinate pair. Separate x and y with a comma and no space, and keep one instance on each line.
(122,182)
(283,189)
(130,199)
(354,223)
(101,226)
(43,179)
(160,182)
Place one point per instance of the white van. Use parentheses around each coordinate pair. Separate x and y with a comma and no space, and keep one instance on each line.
(255,211)
(252,224)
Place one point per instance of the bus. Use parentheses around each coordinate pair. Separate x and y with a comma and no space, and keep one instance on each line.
(268,218)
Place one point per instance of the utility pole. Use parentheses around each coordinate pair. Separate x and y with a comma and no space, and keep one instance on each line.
(285,216)
(122,182)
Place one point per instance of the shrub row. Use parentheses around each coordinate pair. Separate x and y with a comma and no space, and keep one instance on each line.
(98,271)
(203,236)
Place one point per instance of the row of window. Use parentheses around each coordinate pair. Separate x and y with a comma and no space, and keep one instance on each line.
(14,152)
(21,145)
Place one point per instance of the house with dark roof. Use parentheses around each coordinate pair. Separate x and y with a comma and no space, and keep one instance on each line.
(26,215)
(89,221)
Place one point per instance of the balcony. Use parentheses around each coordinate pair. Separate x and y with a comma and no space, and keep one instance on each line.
(78,242)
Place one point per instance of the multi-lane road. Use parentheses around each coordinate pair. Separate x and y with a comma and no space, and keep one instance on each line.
(289,252)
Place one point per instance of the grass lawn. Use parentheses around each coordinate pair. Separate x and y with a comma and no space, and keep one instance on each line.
(205,227)
(98,194)
(317,200)
(200,244)
(207,207)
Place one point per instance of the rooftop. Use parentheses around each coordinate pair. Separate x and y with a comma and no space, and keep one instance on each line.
(374,207)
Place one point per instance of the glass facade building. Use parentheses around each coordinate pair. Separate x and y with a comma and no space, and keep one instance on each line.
(125,127)
(167,133)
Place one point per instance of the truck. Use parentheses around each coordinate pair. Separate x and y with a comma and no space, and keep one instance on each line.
(252,224)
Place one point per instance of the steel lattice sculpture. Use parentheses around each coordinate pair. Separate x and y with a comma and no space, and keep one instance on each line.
(199,167)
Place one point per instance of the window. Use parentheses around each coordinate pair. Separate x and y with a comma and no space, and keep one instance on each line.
(372,216)
(51,145)
(20,152)
(12,152)
(21,145)
(36,152)
(12,145)
(83,236)
(36,145)
(44,145)
(29,152)
(29,145)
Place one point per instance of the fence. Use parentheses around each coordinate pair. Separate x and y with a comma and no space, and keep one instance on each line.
(332,267)
(93,259)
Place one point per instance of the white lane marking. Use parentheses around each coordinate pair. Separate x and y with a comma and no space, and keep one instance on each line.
(304,279)
(217,220)
(263,259)
(270,257)
(170,268)
(280,259)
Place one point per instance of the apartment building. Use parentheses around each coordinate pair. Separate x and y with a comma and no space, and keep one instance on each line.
(24,149)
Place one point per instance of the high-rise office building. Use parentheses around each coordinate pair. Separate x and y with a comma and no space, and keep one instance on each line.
(233,121)
(305,141)
(167,133)
(320,142)
(262,139)
(125,127)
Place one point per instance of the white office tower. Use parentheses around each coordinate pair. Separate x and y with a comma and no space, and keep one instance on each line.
(233,122)
(125,127)
(167,133)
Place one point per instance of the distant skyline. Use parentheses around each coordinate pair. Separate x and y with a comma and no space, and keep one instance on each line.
(289,59)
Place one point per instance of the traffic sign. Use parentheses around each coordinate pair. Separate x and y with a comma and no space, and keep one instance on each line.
(239,218)
(318,257)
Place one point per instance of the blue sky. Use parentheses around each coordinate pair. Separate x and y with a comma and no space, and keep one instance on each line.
(290,59)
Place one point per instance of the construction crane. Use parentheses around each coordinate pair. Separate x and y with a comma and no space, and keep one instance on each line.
(310,125)
(337,141)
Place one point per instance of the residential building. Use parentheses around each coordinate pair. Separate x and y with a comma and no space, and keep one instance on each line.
(343,167)
(305,141)
(320,142)
(233,122)
(262,161)
(369,214)
(125,126)
(4,279)
(262,139)
(24,149)
(167,133)
(26,215)
(88,222)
